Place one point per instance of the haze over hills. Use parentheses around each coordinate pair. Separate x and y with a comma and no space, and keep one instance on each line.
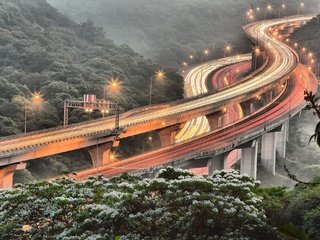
(168,31)
(44,51)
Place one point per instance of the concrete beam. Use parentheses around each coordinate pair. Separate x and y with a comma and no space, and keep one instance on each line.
(216,120)
(268,152)
(6,174)
(249,157)
(167,135)
(55,148)
(100,154)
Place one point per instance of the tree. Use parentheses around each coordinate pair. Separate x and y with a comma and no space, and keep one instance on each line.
(175,205)
(7,127)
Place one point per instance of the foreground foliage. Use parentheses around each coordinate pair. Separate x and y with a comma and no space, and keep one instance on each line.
(295,213)
(175,205)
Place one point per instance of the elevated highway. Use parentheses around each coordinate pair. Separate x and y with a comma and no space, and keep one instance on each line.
(223,141)
(280,63)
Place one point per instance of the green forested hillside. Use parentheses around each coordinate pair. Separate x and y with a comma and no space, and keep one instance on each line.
(170,30)
(308,36)
(44,51)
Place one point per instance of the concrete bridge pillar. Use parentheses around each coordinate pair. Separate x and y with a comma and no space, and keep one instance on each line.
(268,96)
(249,155)
(248,106)
(100,154)
(217,163)
(268,152)
(167,135)
(216,120)
(7,172)
(281,140)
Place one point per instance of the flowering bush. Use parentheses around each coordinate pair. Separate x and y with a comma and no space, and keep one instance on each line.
(175,205)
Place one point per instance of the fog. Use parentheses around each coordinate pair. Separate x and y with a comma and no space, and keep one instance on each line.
(169,30)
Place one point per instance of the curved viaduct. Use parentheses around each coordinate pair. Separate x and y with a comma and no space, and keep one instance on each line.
(281,61)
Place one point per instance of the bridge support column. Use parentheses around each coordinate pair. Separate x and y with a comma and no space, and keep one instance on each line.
(268,96)
(216,120)
(268,152)
(7,172)
(167,135)
(248,106)
(249,159)
(281,141)
(100,154)
(217,163)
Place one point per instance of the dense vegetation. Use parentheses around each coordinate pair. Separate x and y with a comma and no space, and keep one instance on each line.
(168,31)
(175,205)
(308,36)
(44,51)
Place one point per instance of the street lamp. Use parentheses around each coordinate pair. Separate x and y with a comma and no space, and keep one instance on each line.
(301,5)
(283,6)
(112,85)
(35,100)
(227,49)
(149,139)
(269,9)
(257,52)
(158,75)
(205,53)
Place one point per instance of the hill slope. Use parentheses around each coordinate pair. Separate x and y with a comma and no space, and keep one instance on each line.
(168,31)
(42,50)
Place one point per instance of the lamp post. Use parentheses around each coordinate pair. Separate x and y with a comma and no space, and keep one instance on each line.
(228,49)
(205,53)
(158,75)
(269,9)
(257,52)
(144,141)
(113,84)
(301,5)
(35,100)
(283,6)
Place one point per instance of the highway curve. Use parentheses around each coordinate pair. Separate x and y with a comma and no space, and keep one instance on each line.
(282,61)
(254,125)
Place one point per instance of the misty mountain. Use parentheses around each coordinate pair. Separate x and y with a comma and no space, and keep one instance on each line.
(44,51)
(168,31)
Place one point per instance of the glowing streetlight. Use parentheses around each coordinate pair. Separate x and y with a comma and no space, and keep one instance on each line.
(283,6)
(158,75)
(227,49)
(112,156)
(206,52)
(191,56)
(301,5)
(36,100)
(269,9)
(113,85)
(258,9)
